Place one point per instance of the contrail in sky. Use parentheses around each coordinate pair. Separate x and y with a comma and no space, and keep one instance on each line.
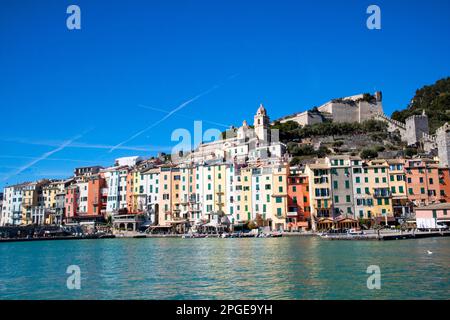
(44,156)
(181,106)
(184,116)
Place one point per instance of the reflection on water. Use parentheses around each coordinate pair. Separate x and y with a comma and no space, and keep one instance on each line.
(278,268)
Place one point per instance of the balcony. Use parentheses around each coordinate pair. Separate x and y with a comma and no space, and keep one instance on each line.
(382,193)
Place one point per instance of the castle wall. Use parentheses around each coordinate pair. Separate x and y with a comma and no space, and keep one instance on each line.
(304,118)
(342,112)
(416,126)
(443,143)
(369,111)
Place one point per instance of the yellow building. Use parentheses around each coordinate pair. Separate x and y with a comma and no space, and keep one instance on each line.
(397,185)
(220,203)
(137,196)
(49,193)
(377,174)
(320,195)
(279,195)
(175,195)
(244,195)
(32,193)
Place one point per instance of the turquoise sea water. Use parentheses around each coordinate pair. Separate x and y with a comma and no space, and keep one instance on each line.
(254,268)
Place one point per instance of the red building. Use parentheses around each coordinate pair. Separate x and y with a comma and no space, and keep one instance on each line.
(71,201)
(96,197)
(444,184)
(299,212)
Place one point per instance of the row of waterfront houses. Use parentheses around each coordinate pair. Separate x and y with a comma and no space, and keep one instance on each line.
(336,191)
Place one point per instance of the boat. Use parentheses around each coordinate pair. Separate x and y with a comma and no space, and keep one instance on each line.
(276,235)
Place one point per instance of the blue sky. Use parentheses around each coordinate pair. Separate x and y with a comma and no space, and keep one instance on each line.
(67,97)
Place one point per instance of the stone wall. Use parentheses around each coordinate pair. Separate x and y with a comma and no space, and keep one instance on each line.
(443,143)
(416,126)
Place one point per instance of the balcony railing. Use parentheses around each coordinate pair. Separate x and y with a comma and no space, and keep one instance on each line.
(382,194)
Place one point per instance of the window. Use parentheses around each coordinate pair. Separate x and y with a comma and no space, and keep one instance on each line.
(279,212)
(347,184)
(278,200)
(335,184)
(336,199)
(348,198)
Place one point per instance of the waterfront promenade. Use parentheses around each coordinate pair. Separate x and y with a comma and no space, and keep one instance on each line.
(367,235)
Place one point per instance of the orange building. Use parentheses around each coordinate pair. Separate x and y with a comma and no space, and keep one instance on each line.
(444,184)
(96,196)
(299,212)
(422,181)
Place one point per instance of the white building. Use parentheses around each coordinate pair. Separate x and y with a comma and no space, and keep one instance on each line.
(12,205)
(257,144)
(116,180)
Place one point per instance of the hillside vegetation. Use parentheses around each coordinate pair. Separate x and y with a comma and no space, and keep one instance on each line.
(434,99)
(292,131)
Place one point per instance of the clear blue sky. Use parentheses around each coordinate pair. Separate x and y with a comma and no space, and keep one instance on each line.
(90,84)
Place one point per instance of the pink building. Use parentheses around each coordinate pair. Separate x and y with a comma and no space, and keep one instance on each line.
(428,217)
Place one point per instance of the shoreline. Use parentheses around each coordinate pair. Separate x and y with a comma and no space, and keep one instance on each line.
(364,237)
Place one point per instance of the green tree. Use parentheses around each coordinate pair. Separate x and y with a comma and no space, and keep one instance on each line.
(434,99)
